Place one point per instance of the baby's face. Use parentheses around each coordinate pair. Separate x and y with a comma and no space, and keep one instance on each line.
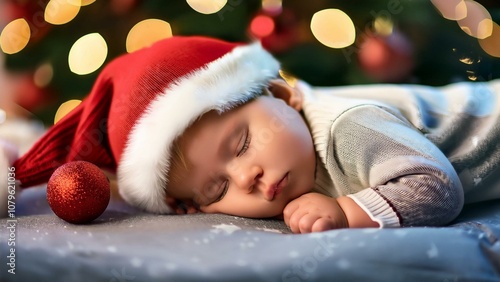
(250,161)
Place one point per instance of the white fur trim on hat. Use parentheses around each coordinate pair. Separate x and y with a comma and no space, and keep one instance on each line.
(222,84)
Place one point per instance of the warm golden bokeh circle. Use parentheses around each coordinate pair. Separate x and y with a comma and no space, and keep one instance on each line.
(15,36)
(333,28)
(207,6)
(87,54)
(65,108)
(491,44)
(147,32)
(59,12)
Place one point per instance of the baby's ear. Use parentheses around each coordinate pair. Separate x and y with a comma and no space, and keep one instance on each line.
(281,90)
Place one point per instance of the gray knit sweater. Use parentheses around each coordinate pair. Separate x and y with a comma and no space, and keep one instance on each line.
(409,155)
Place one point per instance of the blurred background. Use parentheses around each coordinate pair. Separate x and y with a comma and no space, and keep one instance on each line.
(52,51)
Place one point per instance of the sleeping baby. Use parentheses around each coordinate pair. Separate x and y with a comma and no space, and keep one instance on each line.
(211,124)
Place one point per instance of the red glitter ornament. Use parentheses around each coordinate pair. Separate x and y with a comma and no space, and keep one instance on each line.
(78,192)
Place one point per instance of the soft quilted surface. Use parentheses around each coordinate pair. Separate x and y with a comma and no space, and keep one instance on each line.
(127,245)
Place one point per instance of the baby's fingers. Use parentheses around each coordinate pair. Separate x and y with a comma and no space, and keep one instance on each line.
(306,223)
(296,217)
(289,210)
(323,224)
(302,221)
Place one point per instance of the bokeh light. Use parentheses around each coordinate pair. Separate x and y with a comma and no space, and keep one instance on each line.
(478,21)
(147,32)
(272,6)
(43,75)
(376,54)
(87,54)
(333,28)
(59,12)
(207,6)
(87,2)
(15,36)
(65,108)
(288,78)
(491,44)
(262,26)
(81,2)
(383,26)
(466,60)
(451,9)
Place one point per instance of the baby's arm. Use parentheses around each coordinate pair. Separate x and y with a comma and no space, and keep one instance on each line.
(314,212)
(393,171)
(396,176)
(356,216)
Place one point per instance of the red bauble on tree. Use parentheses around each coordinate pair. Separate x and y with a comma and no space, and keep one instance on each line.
(277,30)
(386,58)
(27,94)
(78,192)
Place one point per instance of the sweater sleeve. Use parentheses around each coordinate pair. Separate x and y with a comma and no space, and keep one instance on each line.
(399,177)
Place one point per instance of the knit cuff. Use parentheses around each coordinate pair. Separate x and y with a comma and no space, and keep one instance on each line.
(376,207)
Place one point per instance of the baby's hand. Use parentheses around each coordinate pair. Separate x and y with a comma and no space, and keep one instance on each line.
(314,212)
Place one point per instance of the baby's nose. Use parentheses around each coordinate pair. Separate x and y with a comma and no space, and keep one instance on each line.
(246,178)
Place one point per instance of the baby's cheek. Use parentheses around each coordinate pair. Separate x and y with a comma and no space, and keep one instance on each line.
(207,209)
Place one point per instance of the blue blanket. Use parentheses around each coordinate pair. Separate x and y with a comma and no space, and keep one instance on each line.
(127,245)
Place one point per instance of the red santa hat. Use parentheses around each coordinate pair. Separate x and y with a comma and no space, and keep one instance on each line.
(140,103)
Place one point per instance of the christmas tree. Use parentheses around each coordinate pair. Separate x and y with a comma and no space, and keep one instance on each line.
(323,42)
